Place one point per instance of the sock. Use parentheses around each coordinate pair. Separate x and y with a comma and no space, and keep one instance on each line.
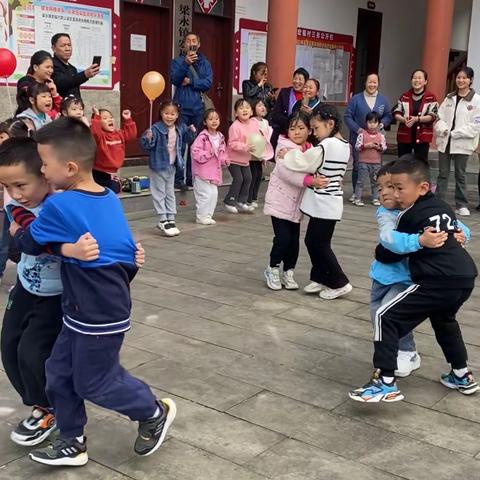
(387,379)
(460,372)
(80,439)
(156,414)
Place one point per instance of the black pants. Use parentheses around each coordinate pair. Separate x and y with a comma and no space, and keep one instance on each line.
(30,327)
(325,267)
(286,244)
(408,310)
(105,180)
(240,187)
(256,168)
(421,149)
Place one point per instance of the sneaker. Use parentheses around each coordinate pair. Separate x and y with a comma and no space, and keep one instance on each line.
(332,293)
(231,208)
(152,433)
(351,199)
(463,211)
(171,229)
(407,362)
(288,281)
(272,276)
(376,202)
(377,391)
(34,429)
(61,452)
(165,228)
(243,207)
(466,384)
(206,221)
(358,203)
(254,204)
(313,287)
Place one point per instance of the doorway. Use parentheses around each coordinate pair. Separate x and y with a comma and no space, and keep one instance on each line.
(146,45)
(216,37)
(369,34)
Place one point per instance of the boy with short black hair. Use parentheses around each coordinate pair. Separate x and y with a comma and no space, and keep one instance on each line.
(443,280)
(84,364)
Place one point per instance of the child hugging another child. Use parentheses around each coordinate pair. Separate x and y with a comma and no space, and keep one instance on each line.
(110,146)
(208,157)
(165,142)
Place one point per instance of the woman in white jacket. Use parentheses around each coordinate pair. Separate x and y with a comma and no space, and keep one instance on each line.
(457,134)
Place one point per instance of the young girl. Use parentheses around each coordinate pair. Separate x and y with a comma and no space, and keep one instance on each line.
(74,107)
(165,143)
(282,203)
(208,158)
(239,153)
(259,113)
(40,104)
(324,205)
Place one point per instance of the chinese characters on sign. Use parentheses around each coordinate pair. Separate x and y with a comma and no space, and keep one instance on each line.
(183,22)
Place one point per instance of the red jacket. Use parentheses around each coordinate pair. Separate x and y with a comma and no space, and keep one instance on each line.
(428,106)
(111,145)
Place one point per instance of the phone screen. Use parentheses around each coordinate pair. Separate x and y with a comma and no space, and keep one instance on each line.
(193,48)
(97,60)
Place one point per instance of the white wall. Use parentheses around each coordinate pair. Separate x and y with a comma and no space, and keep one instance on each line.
(474,43)
(461,25)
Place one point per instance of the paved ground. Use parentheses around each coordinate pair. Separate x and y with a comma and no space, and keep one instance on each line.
(261,378)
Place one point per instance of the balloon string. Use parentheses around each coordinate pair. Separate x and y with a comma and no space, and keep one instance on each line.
(9,97)
(151,113)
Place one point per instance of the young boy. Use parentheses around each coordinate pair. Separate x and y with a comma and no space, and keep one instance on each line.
(84,364)
(443,280)
(370,145)
(110,145)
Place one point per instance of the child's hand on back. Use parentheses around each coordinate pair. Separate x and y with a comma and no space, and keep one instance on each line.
(432,239)
(319,181)
(95,110)
(127,114)
(85,248)
(139,255)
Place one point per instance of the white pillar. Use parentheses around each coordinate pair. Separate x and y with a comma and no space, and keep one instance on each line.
(474,43)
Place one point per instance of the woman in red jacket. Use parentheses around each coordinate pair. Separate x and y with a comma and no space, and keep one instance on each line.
(416,112)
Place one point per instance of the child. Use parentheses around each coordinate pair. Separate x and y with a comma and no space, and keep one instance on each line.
(239,153)
(74,107)
(208,158)
(84,364)
(324,205)
(259,113)
(370,146)
(40,103)
(443,280)
(282,203)
(164,143)
(110,146)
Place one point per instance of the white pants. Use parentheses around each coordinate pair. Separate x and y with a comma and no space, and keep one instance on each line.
(162,189)
(206,196)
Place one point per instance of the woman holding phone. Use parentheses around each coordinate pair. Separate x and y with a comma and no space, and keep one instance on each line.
(258,88)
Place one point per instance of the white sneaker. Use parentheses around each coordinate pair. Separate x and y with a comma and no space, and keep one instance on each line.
(171,229)
(407,362)
(332,293)
(313,287)
(376,203)
(254,204)
(358,203)
(463,211)
(206,221)
(231,208)
(272,276)
(288,281)
(351,199)
(165,228)
(243,207)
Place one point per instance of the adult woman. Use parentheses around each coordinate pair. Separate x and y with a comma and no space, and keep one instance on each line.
(39,71)
(257,86)
(370,100)
(311,99)
(286,99)
(457,133)
(416,112)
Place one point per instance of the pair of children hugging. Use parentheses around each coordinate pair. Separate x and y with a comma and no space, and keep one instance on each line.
(95,306)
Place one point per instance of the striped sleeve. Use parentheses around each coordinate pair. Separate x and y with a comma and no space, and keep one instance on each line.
(22,216)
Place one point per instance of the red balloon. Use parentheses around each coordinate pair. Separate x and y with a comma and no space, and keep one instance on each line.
(8,62)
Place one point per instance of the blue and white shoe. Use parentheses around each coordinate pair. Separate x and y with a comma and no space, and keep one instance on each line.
(466,384)
(377,391)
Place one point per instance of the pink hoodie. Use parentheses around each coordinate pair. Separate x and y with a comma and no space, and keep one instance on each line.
(206,163)
(238,149)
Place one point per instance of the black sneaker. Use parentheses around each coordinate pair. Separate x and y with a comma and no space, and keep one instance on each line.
(34,429)
(151,433)
(70,453)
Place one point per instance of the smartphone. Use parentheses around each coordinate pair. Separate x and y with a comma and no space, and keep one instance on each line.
(193,48)
(97,60)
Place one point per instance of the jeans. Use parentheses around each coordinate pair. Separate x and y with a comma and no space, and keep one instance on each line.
(240,187)
(286,243)
(381,295)
(163,193)
(367,170)
(460,164)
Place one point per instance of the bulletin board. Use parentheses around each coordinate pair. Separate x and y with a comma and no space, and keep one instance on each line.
(93,26)
(328,57)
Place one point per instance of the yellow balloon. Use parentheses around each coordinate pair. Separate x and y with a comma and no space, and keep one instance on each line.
(153,85)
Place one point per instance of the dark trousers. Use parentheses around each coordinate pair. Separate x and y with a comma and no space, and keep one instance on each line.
(355,162)
(286,243)
(87,367)
(105,180)
(240,187)
(4,243)
(420,149)
(256,169)
(408,310)
(30,327)
(325,267)
(183,176)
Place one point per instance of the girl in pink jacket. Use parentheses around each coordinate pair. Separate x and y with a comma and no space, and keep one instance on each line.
(208,157)
(282,203)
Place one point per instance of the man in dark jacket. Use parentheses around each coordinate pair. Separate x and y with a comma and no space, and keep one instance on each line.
(192,75)
(66,77)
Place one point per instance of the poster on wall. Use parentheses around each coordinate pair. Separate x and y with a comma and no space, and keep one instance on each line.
(32,23)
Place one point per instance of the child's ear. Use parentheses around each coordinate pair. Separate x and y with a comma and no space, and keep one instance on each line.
(72,169)
(424,188)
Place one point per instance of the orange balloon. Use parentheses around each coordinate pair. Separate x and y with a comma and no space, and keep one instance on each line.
(153,85)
